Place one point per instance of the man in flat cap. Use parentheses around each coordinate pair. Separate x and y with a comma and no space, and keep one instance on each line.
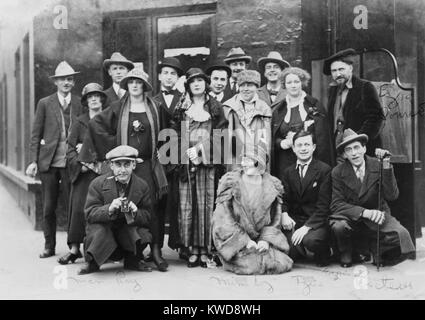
(272,67)
(117,67)
(238,61)
(355,212)
(219,76)
(118,212)
(53,119)
(353,102)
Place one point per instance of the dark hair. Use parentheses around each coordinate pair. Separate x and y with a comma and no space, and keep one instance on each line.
(304,133)
(347,60)
(187,85)
(103,98)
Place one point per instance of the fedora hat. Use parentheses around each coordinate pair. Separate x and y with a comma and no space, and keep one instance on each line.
(90,88)
(275,57)
(350,136)
(118,58)
(123,152)
(64,69)
(137,73)
(342,55)
(236,54)
(171,62)
(219,67)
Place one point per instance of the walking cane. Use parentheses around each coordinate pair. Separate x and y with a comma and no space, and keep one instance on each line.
(379,208)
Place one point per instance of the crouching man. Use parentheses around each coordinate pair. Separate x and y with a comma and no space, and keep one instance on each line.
(118,212)
(354,207)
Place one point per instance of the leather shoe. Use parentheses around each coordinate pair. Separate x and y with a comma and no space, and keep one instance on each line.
(193,261)
(203,261)
(346,259)
(140,265)
(47,253)
(161,264)
(89,267)
(69,257)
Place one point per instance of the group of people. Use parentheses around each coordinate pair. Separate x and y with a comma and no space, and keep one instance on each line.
(291,181)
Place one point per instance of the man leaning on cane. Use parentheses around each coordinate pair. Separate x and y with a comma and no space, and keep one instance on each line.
(355,213)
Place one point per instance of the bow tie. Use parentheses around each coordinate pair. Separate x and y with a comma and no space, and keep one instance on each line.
(121,187)
(166,92)
(273,92)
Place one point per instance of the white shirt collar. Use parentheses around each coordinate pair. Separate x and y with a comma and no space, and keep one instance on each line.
(362,168)
(62,99)
(117,88)
(300,163)
(219,96)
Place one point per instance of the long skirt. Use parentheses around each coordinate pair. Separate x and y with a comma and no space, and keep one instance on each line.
(196,208)
(76,217)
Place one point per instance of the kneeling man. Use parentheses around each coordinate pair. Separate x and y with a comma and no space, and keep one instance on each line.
(354,206)
(307,199)
(118,212)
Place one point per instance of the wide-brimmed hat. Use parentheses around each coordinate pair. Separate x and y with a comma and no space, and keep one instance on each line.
(219,66)
(63,70)
(236,54)
(341,55)
(90,88)
(251,76)
(196,72)
(123,152)
(118,58)
(171,62)
(349,136)
(137,73)
(275,57)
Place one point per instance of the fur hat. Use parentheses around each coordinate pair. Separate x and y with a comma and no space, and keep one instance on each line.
(250,76)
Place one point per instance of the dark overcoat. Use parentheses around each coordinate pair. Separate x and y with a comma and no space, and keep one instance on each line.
(104,234)
(350,198)
(264,95)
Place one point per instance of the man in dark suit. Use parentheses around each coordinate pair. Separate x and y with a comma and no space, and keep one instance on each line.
(118,211)
(272,67)
(219,76)
(307,185)
(353,102)
(169,71)
(356,212)
(53,119)
(238,61)
(117,67)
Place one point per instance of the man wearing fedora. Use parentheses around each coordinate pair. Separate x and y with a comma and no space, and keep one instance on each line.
(117,67)
(53,119)
(355,211)
(353,102)
(272,67)
(169,71)
(118,210)
(238,61)
(219,76)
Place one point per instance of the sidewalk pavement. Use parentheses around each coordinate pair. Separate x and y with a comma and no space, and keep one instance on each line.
(23,275)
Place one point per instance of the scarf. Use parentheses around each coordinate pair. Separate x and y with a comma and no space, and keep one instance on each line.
(160,179)
(291,104)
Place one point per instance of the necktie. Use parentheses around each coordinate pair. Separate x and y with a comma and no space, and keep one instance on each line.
(121,93)
(65,104)
(121,188)
(273,92)
(359,174)
(301,170)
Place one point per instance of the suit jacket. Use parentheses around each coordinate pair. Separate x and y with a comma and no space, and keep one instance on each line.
(308,201)
(166,113)
(228,93)
(281,159)
(264,94)
(47,126)
(362,112)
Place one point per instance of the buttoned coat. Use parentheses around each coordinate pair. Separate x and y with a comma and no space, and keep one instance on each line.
(350,198)
(307,201)
(47,127)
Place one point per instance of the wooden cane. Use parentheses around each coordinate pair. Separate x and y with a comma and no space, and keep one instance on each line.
(379,208)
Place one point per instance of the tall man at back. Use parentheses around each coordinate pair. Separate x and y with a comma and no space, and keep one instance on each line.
(53,118)
(238,61)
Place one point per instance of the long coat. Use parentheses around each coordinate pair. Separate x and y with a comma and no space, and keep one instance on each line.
(281,159)
(264,95)
(100,241)
(350,197)
(233,226)
(47,126)
(362,112)
(308,201)
(80,181)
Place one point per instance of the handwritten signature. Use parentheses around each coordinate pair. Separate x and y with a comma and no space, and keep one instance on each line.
(243,282)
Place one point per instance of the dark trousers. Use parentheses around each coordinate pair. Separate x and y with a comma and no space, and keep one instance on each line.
(315,241)
(356,237)
(51,182)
